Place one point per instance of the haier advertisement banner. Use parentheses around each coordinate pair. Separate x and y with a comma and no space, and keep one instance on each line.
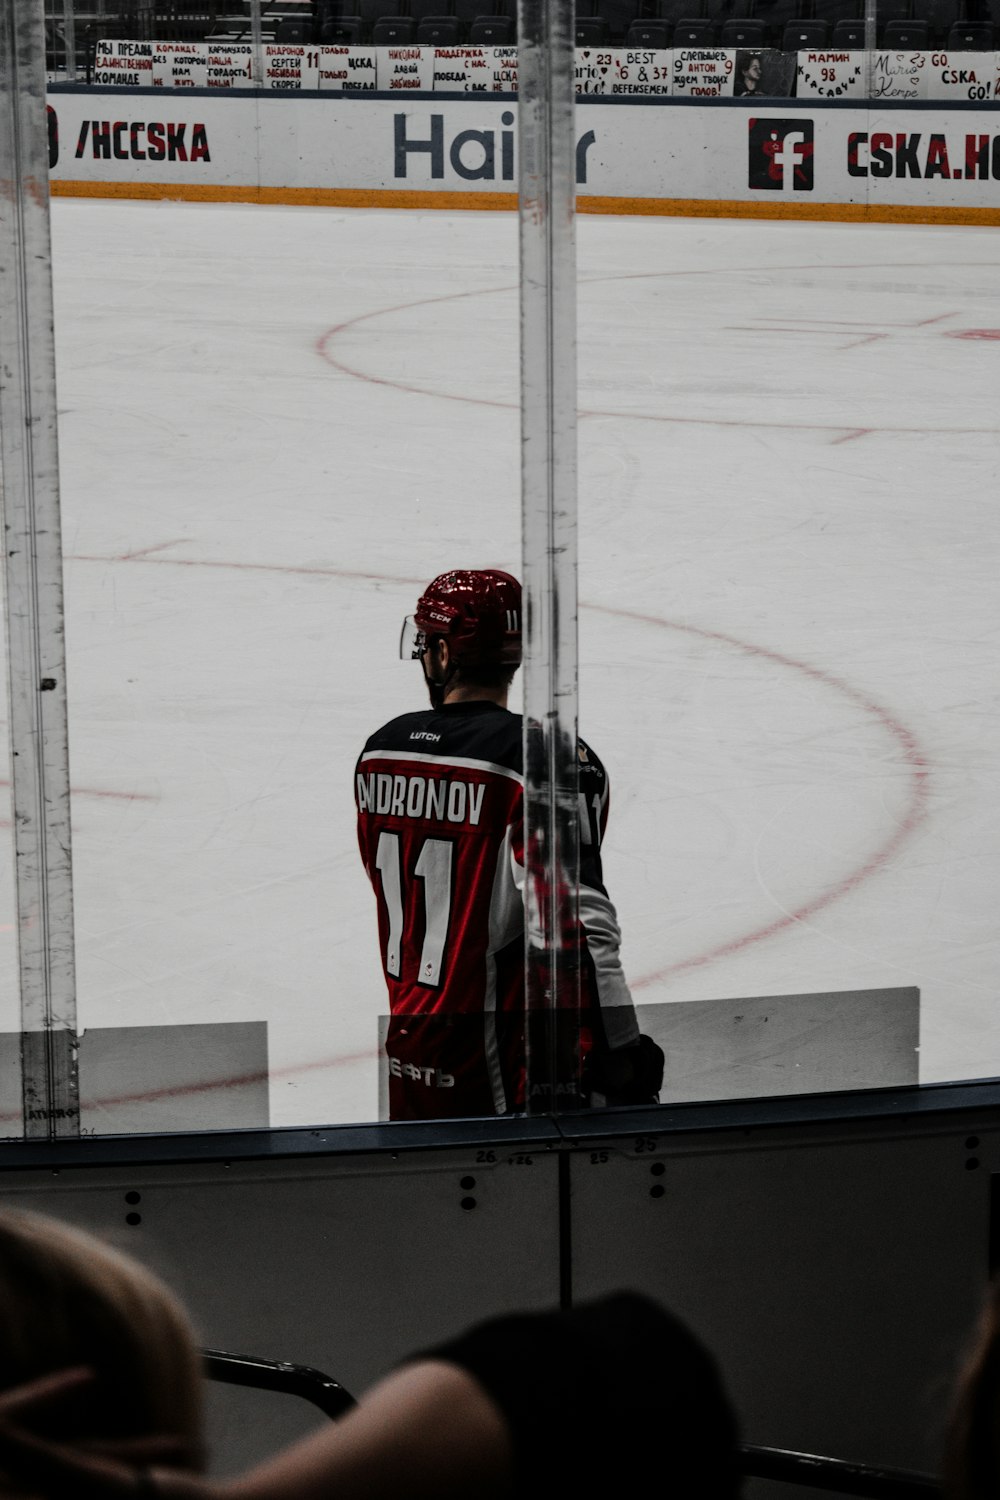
(331,149)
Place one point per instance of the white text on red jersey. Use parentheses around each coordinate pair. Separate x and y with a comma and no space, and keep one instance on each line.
(434,798)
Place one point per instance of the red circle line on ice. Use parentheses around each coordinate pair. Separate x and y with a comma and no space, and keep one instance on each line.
(914,812)
(840,431)
(911,755)
(918,771)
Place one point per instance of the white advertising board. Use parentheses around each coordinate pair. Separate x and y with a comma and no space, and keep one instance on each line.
(176,139)
(774,154)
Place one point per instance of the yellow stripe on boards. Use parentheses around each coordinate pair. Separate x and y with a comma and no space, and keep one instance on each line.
(703,208)
(332,197)
(882,213)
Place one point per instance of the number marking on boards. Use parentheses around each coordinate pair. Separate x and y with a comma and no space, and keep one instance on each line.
(644,1143)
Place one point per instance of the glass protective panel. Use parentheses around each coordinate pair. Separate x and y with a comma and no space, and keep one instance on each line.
(279,422)
(280,419)
(788,640)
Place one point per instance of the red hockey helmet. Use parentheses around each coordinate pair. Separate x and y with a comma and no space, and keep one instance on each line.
(477,611)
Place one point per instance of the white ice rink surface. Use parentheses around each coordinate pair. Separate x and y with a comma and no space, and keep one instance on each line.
(276,423)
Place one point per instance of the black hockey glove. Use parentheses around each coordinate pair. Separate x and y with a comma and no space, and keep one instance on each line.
(625,1075)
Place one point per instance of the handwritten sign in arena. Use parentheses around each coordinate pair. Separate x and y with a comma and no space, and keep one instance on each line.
(963,75)
(126,65)
(475,70)
(830,75)
(700,73)
(936,75)
(623,71)
(195,66)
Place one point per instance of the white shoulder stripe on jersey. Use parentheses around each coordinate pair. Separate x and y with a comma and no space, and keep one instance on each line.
(443,761)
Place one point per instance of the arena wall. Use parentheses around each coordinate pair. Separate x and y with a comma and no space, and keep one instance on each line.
(797,157)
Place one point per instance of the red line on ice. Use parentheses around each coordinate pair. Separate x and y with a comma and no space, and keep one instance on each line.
(919,771)
(89,791)
(238,1081)
(324,342)
(914,758)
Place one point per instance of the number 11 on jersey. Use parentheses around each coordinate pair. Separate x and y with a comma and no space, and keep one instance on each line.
(433,868)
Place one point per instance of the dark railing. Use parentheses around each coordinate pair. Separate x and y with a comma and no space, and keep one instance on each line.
(276,1375)
(806,1469)
(834,1474)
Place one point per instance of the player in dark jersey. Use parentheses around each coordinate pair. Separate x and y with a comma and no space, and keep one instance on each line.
(440,825)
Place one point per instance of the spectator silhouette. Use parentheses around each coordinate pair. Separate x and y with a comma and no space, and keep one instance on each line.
(100,1399)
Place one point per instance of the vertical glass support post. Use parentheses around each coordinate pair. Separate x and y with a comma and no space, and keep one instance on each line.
(257,41)
(871,41)
(69,32)
(29,506)
(547,206)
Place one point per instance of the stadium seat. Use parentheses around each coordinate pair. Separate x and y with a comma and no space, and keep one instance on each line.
(838,10)
(341,31)
(689,19)
(670,10)
(804,36)
(619,15)
(371,11)
(847,35)
(493,31)
(439,31)
(894,10)
(891,11)
(422,9)
(393,31)
(748,32)
(655,34)
(904,36)
(776,15)
(971,36)
(297,31)
(468,11)
(694,31)
(942,15)
(592,31)
(225,32)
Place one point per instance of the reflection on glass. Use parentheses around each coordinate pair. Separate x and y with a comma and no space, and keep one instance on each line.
(281,420)
(786,635)
(277,422)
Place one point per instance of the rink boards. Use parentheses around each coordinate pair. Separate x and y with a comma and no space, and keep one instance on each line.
(797,158)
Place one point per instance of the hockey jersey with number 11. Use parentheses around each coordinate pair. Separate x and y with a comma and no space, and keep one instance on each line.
(440,827)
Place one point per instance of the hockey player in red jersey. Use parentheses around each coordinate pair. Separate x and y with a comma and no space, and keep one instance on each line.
(440,826)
